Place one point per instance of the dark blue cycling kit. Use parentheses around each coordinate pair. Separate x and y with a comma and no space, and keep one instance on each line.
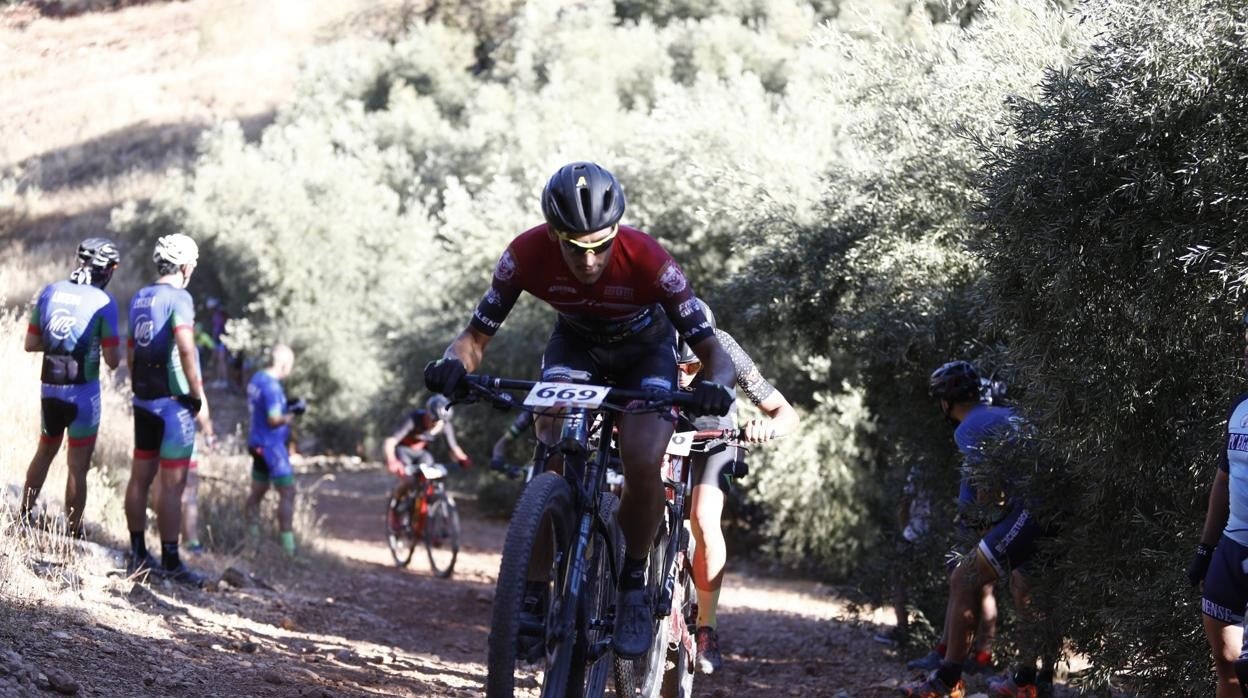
(73,322)
(1226,582)
(1011,542)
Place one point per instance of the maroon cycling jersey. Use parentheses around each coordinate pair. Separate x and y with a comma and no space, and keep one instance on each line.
(639,278)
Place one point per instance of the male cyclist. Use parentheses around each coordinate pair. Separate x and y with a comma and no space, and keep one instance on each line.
(407,449)
(710,476)
(1221,559)
(168,402)
(1008,544)
(73,322)
(271,417)
(618,294)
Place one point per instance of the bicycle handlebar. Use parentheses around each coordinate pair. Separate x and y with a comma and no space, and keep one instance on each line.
(654,396)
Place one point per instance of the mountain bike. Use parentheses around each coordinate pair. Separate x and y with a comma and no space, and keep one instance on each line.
(554,603)
(427,513)
(669,667)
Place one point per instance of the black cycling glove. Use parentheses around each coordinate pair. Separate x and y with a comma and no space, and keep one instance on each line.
(712,398)
(1200,564)
(191,403)
(298,406)
(444,376)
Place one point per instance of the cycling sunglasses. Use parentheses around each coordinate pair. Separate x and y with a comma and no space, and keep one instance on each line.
(596,247)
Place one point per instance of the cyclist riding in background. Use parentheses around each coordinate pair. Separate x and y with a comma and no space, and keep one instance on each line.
(72,322)
(1220,563)
(521,424)
(1009,542)
(407,449)
(168,402)
(710,476)
(618,294)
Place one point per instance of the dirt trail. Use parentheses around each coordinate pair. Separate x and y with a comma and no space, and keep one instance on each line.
(347,622)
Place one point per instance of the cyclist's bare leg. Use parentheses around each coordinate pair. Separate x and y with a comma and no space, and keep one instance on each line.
(710,552)
(258,490)
(1224,641)
(643,441)
(78,459)
(142,473)
(190,507)
(172,482)
(286,508)
(966,587)
(37,472)
(986,629)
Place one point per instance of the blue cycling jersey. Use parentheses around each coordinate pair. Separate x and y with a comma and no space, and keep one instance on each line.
(1234,462)
(156,312)
(982,425)
(75,320)
(266,398)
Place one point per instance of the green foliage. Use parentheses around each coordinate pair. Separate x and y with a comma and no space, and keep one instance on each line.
(1116,265)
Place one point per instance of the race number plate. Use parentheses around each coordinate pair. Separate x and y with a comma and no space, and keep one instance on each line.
(566,395)
(681,443)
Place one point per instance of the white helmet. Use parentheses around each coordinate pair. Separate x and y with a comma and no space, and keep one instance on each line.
(176,249)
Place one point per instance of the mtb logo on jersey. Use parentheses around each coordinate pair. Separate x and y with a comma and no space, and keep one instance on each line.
(506,267)
(144,331)
(672,279)
(62,322)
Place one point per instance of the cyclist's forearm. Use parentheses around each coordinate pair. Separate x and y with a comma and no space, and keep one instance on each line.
(716,362)
(784,419)
(468,347)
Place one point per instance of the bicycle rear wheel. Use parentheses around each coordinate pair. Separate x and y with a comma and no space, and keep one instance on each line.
(520,636)
(442,533)
(399,534)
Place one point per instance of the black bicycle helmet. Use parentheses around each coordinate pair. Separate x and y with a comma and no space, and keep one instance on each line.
(684,352)
(98,252)
(956,381)
(582,198)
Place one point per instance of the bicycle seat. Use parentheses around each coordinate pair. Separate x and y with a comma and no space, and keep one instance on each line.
(433,472)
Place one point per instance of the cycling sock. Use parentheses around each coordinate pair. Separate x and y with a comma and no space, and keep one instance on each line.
(949,673)
(138,546)
(288,542)
(983,658)
(633,574)
(708,603)
(169,555)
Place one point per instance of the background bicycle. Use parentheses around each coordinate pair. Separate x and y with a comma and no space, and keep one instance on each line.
(427,513)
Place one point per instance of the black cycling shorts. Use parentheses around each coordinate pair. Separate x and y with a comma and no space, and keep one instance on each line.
(646,359)
(716,468)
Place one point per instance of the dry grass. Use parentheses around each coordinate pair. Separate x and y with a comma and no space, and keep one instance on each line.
(36,564)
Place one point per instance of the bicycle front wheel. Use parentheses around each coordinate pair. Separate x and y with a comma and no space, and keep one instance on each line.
(523,629)
(442,533)
(399,534)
